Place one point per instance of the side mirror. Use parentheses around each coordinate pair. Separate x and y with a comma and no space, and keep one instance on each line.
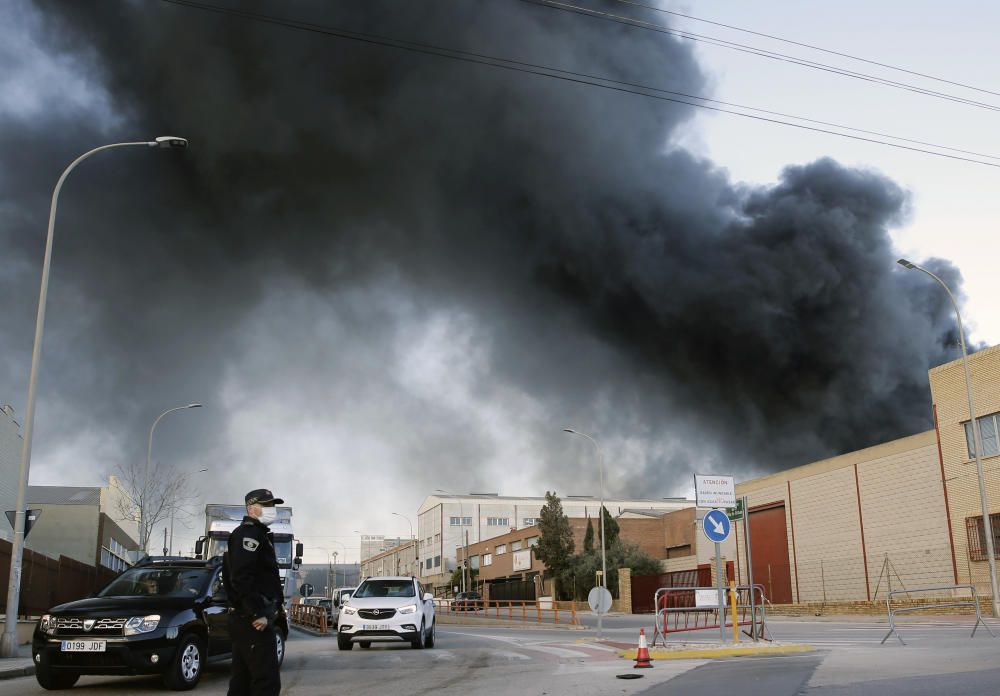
(299,550)
(296,563)
(428,597)
(343,598)
(199,546)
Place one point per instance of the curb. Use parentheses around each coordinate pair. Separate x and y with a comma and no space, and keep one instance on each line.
(17,672)
(501,623)
(709,654)
(312,632)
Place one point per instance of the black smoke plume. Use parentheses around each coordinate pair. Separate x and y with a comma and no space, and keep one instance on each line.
(444,262)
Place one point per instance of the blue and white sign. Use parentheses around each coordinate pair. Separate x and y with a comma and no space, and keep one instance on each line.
(716,525)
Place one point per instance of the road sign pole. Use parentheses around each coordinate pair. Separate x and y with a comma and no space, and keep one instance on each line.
(746,542)
(720,581)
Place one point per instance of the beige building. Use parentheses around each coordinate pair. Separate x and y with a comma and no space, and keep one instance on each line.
(961,485)
(902,514)
(82,522)
(399,560)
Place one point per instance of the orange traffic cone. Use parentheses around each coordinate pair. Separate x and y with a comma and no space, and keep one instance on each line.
(642,659)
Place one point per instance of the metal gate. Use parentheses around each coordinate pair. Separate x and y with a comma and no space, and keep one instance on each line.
(512,590)
(769,539)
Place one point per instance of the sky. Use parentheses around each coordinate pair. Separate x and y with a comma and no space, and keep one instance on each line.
(386,273)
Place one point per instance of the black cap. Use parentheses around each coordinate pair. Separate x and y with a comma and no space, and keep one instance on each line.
(262,496)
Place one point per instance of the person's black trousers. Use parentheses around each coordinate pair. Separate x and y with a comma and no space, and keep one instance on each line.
(255,659)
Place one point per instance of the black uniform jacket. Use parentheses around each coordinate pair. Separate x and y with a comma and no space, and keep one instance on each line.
(252,580)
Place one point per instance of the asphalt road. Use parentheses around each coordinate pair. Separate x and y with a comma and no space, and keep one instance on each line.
(549,662)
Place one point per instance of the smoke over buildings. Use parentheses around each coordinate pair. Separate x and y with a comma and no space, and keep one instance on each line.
(373,262)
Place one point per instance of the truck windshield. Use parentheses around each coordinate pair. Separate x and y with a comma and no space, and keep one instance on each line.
(283,550)
(173,582)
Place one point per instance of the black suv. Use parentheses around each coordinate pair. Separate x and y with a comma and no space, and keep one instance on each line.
(162,616)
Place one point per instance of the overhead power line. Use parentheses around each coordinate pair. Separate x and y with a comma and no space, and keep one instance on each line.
(813,47)
(761,52)
(606,83)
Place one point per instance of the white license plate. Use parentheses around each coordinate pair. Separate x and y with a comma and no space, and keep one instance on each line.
(373,627)
(84,645)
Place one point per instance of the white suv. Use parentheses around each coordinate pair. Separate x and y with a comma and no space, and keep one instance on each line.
(387,608)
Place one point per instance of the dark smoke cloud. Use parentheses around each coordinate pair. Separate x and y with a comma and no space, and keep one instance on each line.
(373,257)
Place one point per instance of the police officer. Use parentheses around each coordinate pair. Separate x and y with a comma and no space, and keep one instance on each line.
(254,591)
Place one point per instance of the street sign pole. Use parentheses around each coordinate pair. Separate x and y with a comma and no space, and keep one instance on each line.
(720,581)
(746,542)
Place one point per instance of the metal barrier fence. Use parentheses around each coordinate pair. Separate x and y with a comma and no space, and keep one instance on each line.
(972,601)
(309,616)
(677,610)
(537,611)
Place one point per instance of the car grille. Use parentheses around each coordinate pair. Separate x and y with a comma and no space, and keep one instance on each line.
(376,614)
(71,626)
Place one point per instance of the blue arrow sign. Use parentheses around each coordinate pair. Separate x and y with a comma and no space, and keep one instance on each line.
(716,525)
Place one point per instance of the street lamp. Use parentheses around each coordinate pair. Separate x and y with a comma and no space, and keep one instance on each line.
(8,644)
(977,439)
(465,536)
(604,564)
(407,522)
(143,542)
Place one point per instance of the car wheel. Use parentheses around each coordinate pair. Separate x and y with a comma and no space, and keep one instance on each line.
(365,644)
(431,635)
(279,639)
(344,642)
(52,680)
(418,642)
(184,672)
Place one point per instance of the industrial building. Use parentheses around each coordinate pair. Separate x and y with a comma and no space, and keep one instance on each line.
(899,515)
(446,522)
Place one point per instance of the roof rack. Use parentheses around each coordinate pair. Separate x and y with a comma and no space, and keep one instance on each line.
(178,560)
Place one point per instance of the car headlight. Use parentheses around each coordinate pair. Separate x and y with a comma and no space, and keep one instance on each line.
(408,609)
(350,611)
(46,624)
(141,624)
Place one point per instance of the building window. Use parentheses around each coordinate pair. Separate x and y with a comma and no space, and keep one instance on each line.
(529,521)
(977,536)
(115,556)
(988,431)
(532,541)
(515,546)
(487,559)
(497,521)
(501,549)
(437,561)
(474,562)
(460,521)
(429,562)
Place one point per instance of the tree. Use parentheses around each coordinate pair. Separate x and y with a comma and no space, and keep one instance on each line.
(623,554)
(555,538)
(611,528)
(588,538)
(148,497)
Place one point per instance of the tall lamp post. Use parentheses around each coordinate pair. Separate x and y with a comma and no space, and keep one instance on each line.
(604,563)
(145,480)
(465,538)
(8,644)
(977,440)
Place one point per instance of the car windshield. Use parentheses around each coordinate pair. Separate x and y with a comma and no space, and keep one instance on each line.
(172,582)
(385,588)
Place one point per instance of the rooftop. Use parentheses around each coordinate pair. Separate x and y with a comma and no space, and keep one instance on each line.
(64,495)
